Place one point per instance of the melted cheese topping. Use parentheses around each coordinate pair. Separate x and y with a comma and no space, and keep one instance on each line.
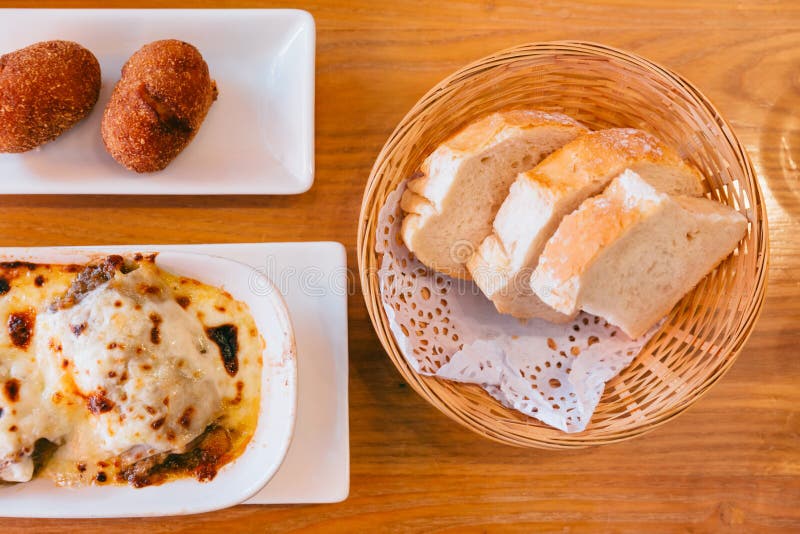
(135,369)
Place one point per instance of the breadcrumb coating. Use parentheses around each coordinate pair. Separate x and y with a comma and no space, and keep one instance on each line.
(45,89)
(158,105)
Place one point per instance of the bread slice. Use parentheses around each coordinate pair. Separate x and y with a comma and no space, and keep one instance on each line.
(630,254)
(540,198)
(450,207)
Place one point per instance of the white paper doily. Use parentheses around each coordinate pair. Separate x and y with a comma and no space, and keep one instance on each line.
(446,328)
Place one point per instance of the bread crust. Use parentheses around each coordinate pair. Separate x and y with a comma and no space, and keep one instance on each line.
(428,191)
(631,253)
(584,234)
(609,152)
(541,196)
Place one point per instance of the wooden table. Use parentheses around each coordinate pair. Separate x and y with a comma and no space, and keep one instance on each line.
(731,462)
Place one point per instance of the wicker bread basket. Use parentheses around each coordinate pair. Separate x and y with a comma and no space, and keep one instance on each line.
(601,87)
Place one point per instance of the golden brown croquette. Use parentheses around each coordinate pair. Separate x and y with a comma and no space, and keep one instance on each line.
(45,89)
(158,105)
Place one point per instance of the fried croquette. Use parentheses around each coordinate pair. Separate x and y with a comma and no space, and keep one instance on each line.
(158,105)
(45,89)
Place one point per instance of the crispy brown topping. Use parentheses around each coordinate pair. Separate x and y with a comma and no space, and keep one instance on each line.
(185,419)
(78,329)
(39,281)
(17,265)
(183,301)
(90,278)
(11,389)
(81,467)
(101,477)
(12,428)
(149,290)
(238,398)
(5,286)
(20,328)
(155,332)
(98,403)
(203,458)
(211,450)
(226,338)
(158,423)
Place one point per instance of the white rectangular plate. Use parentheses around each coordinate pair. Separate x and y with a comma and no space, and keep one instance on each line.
(258,137)
(312,279)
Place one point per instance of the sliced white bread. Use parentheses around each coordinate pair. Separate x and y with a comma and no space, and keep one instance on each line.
(451,206)
(631,253)
(541,197)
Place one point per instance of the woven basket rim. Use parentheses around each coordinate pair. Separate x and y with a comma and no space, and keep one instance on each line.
(365,247)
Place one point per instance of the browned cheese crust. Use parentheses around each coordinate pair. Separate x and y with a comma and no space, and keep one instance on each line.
(45,89)
(158,105)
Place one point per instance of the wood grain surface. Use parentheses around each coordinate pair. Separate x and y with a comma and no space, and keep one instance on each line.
(732,462)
